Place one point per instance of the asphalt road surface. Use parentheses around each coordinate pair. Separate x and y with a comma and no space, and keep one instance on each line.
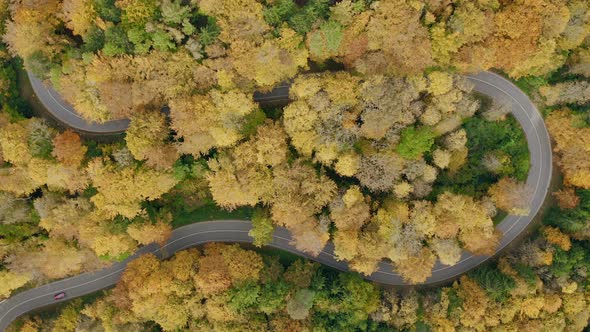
(65,113)
(486,83)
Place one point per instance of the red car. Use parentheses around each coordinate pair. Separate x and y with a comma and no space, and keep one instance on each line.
(59,296)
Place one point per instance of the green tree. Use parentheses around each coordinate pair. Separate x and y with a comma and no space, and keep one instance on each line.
(572,220)
(314,10)
(94,39)
(299,305)
(325,42)
(138,12)
(116,41)
(415,142)
(244,296)
(141,40)
(495,283)
(280,11)
(163,41)
(107,10)
(357,300)
(262,228)
(273,297)
(566,262)
(210,32)
(299,18)
(174,12)
(38,63)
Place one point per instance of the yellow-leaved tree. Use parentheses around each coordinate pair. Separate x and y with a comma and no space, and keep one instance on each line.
(122,189)
(148,138)
(10,281)
(571,145)
(212,120)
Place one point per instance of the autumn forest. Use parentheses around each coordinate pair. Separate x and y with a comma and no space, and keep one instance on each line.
(385,151)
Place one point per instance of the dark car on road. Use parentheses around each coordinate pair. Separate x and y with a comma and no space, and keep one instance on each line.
(59,296)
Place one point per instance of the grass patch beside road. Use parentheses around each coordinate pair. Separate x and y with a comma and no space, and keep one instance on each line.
(210,211)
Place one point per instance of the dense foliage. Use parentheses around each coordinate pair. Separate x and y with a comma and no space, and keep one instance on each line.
(368,155)
(388,154)
(98,51)
(540,287)
(496,150)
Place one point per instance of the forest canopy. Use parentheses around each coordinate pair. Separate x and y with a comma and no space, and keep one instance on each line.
(384,148)
(228,288)
(379,150)
(109,57)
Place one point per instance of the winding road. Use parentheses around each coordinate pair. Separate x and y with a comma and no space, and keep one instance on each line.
(486,83)
(66,114)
